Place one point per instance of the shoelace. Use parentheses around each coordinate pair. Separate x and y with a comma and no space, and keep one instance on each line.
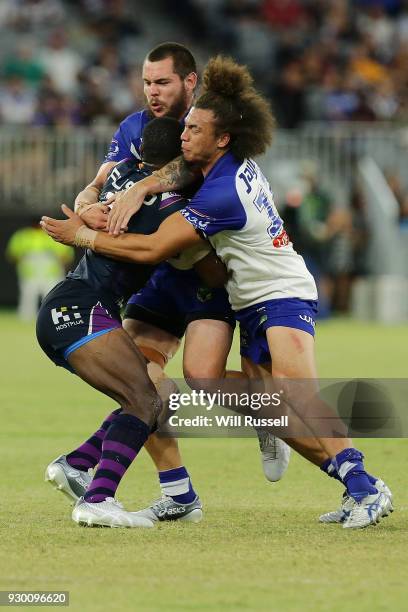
(267,441)
(160,504)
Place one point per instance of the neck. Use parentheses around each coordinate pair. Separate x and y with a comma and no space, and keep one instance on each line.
(211,163)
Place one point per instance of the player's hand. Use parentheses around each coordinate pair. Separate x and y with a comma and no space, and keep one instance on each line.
(62,230)
(125,204)
(95,216)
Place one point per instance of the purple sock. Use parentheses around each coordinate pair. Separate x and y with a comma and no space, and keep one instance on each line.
(124,439)
(89,453)
(349,466)
(176,484)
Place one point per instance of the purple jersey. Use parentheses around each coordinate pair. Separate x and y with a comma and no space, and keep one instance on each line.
(127,139)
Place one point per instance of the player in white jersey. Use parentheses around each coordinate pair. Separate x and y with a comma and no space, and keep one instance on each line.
(270,289)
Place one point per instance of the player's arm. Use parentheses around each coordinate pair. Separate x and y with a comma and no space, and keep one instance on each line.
(90,194)
(174,176)
(174,235)
(87,206)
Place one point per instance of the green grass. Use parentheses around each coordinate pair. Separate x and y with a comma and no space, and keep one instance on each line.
(259,547)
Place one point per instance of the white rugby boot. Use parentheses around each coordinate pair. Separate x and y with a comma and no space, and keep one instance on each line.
(275,455)
(108,513)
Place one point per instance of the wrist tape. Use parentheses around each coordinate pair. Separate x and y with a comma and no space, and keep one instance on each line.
(85,237)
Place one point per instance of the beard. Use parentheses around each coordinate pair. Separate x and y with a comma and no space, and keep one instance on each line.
(177,110)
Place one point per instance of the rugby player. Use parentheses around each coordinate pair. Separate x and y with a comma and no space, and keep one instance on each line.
(79,327)
(166,308)
(271,291)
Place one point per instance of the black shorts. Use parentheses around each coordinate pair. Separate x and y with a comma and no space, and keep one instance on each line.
(72,315)
(172,298)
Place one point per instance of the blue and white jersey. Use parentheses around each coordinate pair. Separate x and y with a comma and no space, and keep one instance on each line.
(127,139)
(235,210)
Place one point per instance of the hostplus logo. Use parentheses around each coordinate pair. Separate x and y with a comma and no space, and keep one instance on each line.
(66,316)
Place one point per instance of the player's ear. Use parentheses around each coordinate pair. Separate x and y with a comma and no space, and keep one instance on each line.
(223,141)
(190,81)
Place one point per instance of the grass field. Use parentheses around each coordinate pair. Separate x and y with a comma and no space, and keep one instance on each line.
(260,546)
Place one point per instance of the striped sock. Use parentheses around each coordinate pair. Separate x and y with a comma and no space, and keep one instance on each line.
(350,467)
(329,468)
(123,440)
(176,484)
(89,453)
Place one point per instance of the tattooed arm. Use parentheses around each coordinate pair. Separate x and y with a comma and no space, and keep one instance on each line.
(175,175)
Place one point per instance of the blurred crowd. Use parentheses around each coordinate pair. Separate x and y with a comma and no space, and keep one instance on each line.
(68,62)
(324,60)
(77,62)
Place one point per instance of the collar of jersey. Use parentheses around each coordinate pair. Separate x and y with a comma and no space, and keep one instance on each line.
(227,165)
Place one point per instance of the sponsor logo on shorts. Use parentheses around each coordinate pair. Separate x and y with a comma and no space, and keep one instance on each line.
(262,319)
(307,319)
(204,294)
(66,316)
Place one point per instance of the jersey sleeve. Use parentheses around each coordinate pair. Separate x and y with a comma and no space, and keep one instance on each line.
(127,139)
(216,207)
(119,147)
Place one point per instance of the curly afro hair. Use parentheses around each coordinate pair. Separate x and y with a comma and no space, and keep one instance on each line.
(238,108)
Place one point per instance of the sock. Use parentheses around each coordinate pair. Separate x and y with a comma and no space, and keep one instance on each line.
(177,485)
(89,453)
(350,468)
(124,439)
(329,469)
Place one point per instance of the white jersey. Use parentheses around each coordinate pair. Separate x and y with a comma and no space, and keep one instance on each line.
(235,210)
(186,259)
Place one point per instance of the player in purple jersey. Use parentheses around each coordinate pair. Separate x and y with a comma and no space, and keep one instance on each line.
(79,328)
(170,79)
(272,292)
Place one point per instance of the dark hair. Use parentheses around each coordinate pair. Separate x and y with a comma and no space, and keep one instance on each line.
(238,108)
(183,60)
(161,141)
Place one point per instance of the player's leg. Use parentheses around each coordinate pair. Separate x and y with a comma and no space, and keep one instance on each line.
(206,348)
(88,339)
(293,359)
(308,447)
(154,324)
(112,364)
(158,346)
(164,451)
(289,340)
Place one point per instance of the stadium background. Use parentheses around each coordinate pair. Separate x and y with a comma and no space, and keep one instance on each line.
(337,74)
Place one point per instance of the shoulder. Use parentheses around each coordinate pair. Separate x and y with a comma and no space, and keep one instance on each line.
(135,122)
(220,194)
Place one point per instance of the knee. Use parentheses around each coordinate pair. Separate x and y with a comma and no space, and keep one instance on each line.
(145,404)
(208,385)
(197,374)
